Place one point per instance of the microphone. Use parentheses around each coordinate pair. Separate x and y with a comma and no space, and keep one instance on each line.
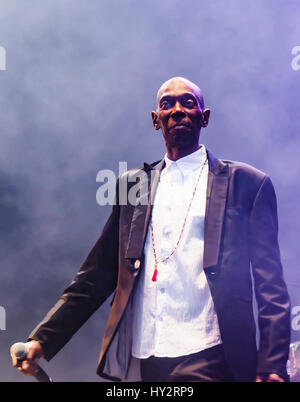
(19,350)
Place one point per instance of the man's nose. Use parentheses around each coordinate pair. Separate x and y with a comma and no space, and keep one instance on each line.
(178,110)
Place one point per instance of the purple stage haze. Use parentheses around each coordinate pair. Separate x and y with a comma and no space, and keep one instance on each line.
(76,95)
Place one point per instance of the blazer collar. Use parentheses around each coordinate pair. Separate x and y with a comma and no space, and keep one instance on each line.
(216,197)
(142,211)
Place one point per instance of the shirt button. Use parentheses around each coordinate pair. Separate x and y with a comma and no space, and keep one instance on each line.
(167,231)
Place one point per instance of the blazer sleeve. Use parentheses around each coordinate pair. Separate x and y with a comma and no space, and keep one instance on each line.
(92,285)
(270,288)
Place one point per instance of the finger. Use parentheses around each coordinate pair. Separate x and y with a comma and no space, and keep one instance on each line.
(34,350)
(15,361)
(20,368)
(29,367)
(274,378)
(30,351)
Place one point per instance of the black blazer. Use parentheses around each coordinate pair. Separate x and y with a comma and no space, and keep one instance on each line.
(240,248)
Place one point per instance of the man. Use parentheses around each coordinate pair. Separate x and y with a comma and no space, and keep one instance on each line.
(180,263)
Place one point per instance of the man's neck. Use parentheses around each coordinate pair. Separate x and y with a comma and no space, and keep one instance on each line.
(175,153)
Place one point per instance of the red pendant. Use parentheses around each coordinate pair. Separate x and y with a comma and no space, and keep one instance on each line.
(154,274)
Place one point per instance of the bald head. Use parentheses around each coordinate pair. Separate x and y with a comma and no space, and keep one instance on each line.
(180,83)
(180,115)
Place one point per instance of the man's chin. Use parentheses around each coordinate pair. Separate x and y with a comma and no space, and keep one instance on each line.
(181,129)
(181,136)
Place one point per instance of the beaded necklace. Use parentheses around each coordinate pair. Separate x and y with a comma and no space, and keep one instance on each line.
(154,277)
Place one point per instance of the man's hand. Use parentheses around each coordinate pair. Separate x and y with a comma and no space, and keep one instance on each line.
(269,378)
(30,365)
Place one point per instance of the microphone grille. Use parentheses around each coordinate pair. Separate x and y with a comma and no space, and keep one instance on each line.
(19,350)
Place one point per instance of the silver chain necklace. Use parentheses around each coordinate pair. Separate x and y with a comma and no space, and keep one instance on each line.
(154,277)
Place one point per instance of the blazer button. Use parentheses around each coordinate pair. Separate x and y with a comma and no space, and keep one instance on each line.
(212,273)
(135,266)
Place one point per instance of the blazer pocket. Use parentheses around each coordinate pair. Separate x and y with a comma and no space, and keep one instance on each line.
(237,211)
(236,229)
(236,217)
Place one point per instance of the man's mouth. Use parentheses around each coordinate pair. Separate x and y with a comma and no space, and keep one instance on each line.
(181,125)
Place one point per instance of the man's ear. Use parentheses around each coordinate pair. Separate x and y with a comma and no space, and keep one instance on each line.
(155,120)
(205,117)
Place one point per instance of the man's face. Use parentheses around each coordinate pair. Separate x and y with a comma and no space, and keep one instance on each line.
(180,113)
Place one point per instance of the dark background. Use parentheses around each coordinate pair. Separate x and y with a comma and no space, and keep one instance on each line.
(80,82)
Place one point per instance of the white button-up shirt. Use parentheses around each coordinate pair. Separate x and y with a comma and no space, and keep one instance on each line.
(175,315)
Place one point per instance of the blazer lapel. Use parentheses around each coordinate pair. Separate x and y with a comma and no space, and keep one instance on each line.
(142,211)
(217,186)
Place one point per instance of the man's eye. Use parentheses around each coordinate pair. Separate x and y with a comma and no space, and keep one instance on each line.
(165,105)
(189,103)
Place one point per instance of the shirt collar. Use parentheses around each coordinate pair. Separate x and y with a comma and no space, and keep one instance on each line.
(189,162)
